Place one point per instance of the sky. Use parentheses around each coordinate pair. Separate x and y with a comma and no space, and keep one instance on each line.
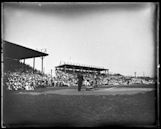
(115,36)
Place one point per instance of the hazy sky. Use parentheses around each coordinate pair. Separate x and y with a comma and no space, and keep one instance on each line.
(116,36)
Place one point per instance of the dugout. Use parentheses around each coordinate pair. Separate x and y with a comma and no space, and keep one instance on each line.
(13,51)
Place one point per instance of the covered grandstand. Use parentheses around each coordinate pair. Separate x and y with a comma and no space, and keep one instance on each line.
(18,75)
(66,74)
(80,68)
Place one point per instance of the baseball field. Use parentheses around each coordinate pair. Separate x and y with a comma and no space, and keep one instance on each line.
(107,106)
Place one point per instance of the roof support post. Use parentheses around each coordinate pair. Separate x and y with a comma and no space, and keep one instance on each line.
(33,64)
(24,64)
(42,64)
(73,70)
(65,69)
(51,73)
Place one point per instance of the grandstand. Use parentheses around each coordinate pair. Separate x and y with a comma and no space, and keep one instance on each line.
(18,75)
(80,68)
(66,74)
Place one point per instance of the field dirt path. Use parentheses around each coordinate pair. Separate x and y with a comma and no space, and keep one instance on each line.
(101,91)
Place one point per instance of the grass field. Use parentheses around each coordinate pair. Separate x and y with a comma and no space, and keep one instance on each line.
(79,110)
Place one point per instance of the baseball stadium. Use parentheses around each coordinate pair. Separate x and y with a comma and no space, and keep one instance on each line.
(100,99)
(80,64)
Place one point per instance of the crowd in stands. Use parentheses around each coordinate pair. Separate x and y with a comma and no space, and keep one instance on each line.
(65,79)
(27,81)
(18,75)
(117,79)
(70,79)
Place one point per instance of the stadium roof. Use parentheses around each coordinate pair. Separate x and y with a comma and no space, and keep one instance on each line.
(71,66)
(15,51)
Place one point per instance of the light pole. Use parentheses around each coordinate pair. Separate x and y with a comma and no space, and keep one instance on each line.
(135,74)
(51,72)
